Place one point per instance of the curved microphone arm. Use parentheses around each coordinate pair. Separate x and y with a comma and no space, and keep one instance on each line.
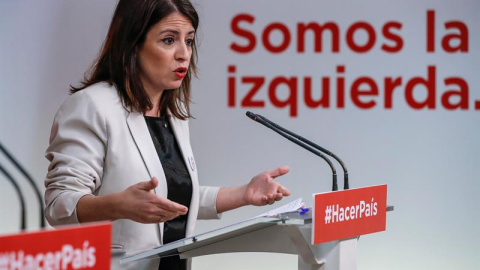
(30,180)
(20,195)
(298,142)
(316,146)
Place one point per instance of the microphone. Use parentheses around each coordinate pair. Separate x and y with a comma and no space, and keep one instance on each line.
(20,195)
(329,153)
(294,138)
(30,180)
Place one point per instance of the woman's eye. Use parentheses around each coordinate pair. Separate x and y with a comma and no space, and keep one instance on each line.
(189,42)
(168,40)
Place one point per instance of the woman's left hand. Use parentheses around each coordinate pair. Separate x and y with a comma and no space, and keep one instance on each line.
(263,189)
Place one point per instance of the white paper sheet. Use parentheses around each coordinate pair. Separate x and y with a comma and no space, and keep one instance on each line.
(289,207)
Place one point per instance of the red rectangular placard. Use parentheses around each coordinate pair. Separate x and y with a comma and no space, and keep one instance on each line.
(349,213)
(79,247)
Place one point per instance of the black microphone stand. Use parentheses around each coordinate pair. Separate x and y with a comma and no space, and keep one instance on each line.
(293,138)
(30,180)
(345,172)
(20,195)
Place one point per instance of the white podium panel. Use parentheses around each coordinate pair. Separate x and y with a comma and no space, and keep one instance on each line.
(288,233)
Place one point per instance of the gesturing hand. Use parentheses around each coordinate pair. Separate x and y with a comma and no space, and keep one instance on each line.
(263,190)
(142,205)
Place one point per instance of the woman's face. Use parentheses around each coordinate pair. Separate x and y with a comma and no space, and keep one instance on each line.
(165,55)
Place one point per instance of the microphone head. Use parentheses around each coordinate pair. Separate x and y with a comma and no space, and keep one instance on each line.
(251,115)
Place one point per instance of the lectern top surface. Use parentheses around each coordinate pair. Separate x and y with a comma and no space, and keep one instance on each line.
(216,235)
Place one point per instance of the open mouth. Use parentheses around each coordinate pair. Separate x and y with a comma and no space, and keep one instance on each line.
(180,72)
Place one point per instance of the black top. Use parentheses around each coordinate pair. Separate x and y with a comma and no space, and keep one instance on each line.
(178,182)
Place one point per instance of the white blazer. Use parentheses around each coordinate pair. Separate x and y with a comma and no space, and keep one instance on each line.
(98,147)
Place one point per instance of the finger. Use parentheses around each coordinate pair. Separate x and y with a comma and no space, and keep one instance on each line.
(271,199)
(165,218)
(279,171)
(154,182)
(171,206)
(161,219)
(148,185)
(164,215)
(264,200)
(283,190)
(278,197)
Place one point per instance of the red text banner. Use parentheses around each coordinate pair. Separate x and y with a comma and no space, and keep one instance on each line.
(81,247)
(349,213)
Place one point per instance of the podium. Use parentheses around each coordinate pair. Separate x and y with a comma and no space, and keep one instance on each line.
(289,233)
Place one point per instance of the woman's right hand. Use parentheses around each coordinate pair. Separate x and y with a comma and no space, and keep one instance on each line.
(137,202)
(140,204)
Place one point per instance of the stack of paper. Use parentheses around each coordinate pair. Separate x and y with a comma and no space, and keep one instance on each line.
(289,207)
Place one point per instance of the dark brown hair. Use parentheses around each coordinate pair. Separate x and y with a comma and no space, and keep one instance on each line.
(118,64)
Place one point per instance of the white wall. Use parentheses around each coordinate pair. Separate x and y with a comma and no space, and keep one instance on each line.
(428,158)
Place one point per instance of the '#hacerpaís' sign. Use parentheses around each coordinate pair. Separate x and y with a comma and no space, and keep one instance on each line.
(349,213)
(79,247)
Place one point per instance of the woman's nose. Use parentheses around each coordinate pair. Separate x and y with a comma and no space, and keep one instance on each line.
(182,52)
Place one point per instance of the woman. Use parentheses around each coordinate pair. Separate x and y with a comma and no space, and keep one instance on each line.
(119,146)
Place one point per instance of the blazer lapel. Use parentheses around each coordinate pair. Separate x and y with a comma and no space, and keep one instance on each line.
(139,130)
(180,129)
